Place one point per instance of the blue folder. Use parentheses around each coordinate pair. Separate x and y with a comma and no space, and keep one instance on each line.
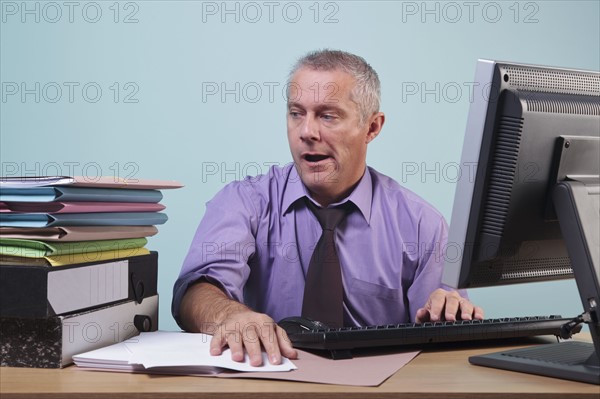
(37,220)
(47,194)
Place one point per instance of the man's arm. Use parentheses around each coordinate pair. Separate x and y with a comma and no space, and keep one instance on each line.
(443,303)
(207,296)
(205,308)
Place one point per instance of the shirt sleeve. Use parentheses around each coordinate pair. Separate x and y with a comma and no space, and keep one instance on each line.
(433,238)
(222,245)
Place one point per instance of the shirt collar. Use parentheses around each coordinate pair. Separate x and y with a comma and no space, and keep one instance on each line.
(361,196)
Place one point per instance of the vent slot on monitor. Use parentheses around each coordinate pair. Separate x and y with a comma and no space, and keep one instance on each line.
(525,269)
(561,104)
(553,81)
(504,168)
(511,271)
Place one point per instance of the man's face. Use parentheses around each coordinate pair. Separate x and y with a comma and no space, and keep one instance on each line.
(327,141)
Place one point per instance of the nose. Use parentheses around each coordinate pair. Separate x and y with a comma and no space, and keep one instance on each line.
(309,131)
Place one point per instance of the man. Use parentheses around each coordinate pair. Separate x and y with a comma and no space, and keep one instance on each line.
(249,260)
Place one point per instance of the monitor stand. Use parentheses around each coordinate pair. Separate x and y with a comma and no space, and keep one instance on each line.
(576,199)
(571,360)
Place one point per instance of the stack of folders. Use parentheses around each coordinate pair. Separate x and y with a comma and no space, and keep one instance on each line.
(75,273)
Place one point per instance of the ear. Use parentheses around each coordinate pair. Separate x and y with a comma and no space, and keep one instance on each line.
(375,125)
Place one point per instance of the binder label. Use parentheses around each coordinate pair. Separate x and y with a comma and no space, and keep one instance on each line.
(88,286)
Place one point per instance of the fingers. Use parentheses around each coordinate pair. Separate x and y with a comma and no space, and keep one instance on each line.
(436,304)
(232,339)
(252,342)
(285,345)
(468,311)
(422,316)
(453,304)
(249,334)
(236,346)
(478,313)
(268,338)
(217,343)
(447,305)
(465,309)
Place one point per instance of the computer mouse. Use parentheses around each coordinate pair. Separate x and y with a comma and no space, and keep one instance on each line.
(297,324)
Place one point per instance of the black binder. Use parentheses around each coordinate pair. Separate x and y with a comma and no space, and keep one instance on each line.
(52,342)
(30,291)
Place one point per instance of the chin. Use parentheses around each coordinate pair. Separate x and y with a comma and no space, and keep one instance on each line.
(319,177)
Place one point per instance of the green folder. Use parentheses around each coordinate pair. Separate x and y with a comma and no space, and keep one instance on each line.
(40,249)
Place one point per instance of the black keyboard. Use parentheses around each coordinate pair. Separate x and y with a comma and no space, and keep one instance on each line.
(346,338)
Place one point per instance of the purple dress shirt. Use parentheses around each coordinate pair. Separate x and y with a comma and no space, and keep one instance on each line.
(257,236)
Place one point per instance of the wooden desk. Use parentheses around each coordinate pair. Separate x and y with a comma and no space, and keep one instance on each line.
(445,373)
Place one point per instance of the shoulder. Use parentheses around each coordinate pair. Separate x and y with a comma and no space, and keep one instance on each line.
(257,191)
(389,195)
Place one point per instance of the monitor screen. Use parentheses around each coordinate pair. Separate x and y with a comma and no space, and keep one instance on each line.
(504,229)
(530,211)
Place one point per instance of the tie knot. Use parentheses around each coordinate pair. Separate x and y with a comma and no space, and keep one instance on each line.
(329,218)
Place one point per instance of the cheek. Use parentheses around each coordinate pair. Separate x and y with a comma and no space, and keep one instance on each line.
(290,134)
(351,148)
(289,122)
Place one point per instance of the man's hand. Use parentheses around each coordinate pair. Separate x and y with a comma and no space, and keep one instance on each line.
(251,331)
(447,305)
(205,308)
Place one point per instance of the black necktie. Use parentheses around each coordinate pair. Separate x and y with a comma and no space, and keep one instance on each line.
(323,290)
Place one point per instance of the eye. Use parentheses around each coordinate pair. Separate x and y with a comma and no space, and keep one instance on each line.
(294,113)
(328,117)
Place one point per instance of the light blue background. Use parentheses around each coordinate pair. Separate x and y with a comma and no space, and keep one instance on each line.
(172,52)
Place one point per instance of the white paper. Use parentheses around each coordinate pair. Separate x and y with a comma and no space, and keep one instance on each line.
(103,327)
(34,181)
(173,352)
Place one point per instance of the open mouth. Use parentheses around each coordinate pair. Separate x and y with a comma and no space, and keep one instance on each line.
(315,157)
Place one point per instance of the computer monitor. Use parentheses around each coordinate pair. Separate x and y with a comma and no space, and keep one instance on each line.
(527,205)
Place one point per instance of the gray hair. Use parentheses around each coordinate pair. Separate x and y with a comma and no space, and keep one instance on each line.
(367,91)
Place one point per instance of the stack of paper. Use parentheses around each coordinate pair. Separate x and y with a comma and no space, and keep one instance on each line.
(163,352)
(76,273)
(103,218)
(170,353)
